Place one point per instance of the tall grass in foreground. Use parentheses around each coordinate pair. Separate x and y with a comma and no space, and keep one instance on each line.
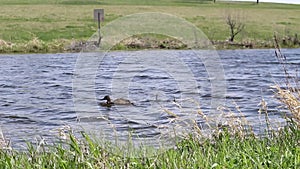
(280,150)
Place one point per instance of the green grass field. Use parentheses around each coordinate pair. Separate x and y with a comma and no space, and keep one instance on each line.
(22,20)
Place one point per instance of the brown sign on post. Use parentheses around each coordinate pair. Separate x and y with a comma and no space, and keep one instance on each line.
(99,15)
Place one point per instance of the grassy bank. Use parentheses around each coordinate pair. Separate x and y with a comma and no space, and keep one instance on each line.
(280,150)
(56,25)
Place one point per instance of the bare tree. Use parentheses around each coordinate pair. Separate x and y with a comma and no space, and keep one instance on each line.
(235,25)
(257,1)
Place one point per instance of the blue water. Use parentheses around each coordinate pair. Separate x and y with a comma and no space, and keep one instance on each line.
(37,91)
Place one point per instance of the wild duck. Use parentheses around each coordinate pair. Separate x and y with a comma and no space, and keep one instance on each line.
(119,101)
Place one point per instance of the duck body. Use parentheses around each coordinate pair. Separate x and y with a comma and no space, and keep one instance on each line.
(121,101)
(110,103)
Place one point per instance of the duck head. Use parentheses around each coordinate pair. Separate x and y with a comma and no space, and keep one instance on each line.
(108,102)
(107,98)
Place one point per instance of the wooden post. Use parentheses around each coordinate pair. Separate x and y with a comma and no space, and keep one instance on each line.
(99,34)
(99,16)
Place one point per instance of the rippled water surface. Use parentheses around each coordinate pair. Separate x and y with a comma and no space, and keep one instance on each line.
(37,90)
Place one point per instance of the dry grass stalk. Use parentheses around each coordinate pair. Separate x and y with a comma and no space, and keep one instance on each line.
(291,100)
(4,143)
(289,94)
(233,122)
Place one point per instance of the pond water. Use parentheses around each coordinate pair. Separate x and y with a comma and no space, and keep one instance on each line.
(37,91)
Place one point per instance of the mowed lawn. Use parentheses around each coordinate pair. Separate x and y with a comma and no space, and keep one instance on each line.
(21,21)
